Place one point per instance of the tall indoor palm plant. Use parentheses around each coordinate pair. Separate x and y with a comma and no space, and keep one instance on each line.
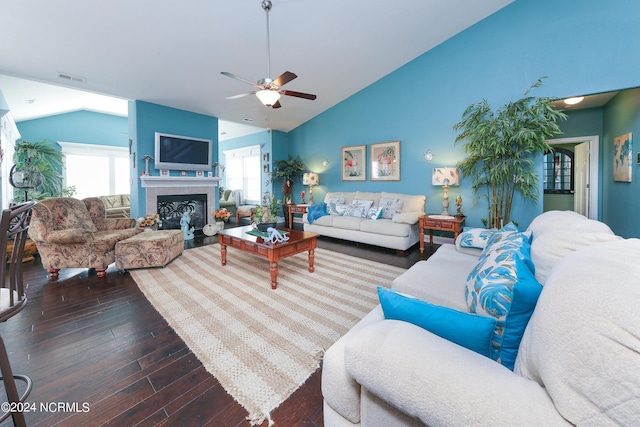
(502,146)
(47,160)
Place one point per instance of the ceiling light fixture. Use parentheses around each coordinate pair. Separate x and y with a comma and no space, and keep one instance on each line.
(268,97)
(574,100)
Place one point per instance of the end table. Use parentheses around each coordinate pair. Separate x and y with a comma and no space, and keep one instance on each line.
(437,222)
(294,209)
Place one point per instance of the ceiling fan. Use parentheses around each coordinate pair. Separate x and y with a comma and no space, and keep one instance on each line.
(269,90)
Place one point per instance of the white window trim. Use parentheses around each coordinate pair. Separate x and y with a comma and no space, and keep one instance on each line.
(78,148)
(252,150)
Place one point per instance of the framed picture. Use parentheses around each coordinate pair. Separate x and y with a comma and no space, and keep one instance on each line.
(164,172)
(183,173)
(265,157)
(354,163)
(385,161)
(199,173)
(622,157)
(265,168)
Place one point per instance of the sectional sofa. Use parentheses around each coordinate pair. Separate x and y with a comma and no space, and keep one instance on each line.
(575,362)
(383,219)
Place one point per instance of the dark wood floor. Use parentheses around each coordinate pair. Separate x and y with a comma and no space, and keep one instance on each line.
(98,344)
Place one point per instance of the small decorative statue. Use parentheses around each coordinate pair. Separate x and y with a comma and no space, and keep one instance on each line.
(184,226)
(275,236)
(459,206)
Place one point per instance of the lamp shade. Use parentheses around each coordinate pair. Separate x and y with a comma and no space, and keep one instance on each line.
(310,178)
(445,176)
(268,97)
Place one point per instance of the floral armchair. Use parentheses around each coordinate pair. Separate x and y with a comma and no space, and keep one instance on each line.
(72,233)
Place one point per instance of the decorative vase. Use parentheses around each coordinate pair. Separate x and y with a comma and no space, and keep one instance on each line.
(148,229)
(263,226)
(220,225)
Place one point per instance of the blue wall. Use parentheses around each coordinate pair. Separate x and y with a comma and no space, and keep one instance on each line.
(80,126)
(621,116)
(584,46)
(145,119)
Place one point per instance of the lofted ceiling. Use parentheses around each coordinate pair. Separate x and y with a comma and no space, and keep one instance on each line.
(171,53)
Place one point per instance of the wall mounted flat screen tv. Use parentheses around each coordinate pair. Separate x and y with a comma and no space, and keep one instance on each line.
(174,152)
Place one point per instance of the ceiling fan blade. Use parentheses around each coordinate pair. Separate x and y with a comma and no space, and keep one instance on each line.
(276,105)
(241,95)
(284,78)
(242,79)
(298,94)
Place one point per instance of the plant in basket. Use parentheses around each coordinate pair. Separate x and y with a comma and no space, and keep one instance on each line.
(267,215)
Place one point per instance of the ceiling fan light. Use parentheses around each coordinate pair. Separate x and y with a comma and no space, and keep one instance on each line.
(574,100)
(268,97)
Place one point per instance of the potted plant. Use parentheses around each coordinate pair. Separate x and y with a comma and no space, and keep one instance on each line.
(290,170)
(45,159)
(267,215)
(502,146)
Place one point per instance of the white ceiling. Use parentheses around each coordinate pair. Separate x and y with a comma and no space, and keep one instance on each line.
(171,53)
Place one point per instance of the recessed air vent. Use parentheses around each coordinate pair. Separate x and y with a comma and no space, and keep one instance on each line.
(72,78)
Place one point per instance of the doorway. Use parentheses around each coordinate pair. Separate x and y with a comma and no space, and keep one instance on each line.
(585,176)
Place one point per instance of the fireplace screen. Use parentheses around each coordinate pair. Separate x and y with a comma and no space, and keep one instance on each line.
(171,208)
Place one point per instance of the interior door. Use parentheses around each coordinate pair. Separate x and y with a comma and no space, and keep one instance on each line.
(581,179)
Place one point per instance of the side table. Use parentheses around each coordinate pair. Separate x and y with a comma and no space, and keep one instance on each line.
(438,222)
(294,209)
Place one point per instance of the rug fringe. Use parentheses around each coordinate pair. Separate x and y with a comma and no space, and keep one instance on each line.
(257,419)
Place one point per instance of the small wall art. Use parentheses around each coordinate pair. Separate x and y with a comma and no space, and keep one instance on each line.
(622,157)
(354,163)
(385,161)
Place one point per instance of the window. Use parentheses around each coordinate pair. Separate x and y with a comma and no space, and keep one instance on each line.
(95,170)
(243,172)
(558,171)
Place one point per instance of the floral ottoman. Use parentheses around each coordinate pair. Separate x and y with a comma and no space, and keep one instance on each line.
(149,249)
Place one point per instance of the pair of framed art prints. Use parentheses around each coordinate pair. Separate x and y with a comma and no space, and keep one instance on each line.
(384,162)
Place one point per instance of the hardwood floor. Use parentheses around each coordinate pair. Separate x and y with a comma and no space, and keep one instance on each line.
(99,354)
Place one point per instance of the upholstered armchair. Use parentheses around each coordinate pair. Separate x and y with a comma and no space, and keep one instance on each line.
(72,233)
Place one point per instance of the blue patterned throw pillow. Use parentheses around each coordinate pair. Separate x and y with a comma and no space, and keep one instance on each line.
(502,286)
(476,238)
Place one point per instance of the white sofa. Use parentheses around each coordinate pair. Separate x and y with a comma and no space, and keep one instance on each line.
(578,362)
(399,232)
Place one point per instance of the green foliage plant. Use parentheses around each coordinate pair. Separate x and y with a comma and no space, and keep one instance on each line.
(501,147)
(290,170)
(48,160)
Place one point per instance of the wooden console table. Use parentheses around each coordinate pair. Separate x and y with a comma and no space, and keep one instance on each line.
(438,222)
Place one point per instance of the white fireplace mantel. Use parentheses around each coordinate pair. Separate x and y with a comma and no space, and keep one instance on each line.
(151,181)
(178,185)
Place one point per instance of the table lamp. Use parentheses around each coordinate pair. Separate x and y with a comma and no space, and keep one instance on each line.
(445,177)
(310,179)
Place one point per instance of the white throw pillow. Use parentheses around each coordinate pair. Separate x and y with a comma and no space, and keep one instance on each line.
(365,204)
(374,213)
(390,207)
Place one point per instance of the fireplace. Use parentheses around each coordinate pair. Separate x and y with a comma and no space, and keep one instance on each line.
(172,207)
(184,189)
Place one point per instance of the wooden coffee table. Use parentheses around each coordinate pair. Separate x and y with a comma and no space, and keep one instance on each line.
(299,241)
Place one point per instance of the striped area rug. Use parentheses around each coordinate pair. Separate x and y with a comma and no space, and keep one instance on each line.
(262,344)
